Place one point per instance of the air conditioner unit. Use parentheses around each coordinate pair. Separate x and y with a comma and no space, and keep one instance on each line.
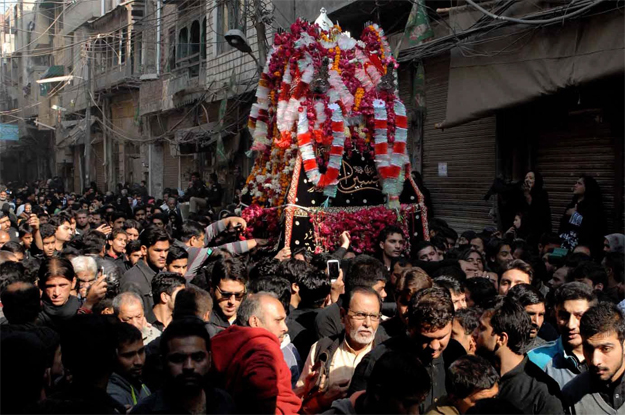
(173,150)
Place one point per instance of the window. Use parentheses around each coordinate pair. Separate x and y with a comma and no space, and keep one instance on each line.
(99,53)
(123,46)
(133,50)
(203,39)
(171,58)
(183,43)
(230,15)
(111,53)
(195,37)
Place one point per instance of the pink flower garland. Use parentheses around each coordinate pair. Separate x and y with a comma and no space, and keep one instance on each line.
(364,225)
(262,220)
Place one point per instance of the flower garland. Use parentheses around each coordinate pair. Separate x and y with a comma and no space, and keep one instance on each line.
(329,179)
(364,225)
(358,98)
(337,59)
(284,97)
(380,135)
(399,158)
(262,223)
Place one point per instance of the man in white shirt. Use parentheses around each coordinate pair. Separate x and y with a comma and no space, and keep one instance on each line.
(336,358)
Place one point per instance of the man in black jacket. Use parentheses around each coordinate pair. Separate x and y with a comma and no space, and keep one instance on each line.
(154,248)
(503,334)
(196,194)
(186,358)
(430,319)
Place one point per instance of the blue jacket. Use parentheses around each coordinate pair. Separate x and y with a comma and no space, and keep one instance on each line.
(556,362)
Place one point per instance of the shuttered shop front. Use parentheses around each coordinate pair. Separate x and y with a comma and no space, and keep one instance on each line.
(98,160)
(584,143)
(458,163)
(172,170)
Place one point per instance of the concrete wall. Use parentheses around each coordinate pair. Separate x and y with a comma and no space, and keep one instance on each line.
(221,66)
(78,13)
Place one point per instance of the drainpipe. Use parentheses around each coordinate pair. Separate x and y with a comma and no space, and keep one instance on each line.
(158,37)
(102,7)
(150,168)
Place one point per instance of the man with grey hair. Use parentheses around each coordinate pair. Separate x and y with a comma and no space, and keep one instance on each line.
(128,307)
(263,310)
(336,357)
(248,361)
(86,270)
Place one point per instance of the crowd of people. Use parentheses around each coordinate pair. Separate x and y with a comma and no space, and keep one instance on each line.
(115,303)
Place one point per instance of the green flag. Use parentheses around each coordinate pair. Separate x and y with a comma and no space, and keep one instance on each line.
(418,87)
(221,151)
(418,28)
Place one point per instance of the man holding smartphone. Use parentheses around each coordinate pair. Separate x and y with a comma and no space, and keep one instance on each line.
(336,357)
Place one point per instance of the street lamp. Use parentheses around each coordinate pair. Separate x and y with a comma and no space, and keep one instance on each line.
(237,40)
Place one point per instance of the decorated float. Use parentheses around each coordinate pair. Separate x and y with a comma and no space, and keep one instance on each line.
(329,139)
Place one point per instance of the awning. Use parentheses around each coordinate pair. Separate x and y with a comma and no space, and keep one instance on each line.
(199,139)
(519,64)
(76,133)
(55,79)
(351,15)
(52,72)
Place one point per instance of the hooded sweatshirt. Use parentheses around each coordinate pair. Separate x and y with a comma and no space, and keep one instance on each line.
(616,242)
(249,364)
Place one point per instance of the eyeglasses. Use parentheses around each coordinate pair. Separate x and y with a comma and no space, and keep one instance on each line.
(363,316)
(227,294)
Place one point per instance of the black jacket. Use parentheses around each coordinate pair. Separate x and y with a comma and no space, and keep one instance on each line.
(538,216)
(303,338)
(436,368)
(218,319)
(138,279)
(79,398)
(217,402)
(531,390)
(56,317)
(328,321)
(586,228)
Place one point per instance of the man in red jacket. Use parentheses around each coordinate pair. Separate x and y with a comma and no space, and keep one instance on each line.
(248,361)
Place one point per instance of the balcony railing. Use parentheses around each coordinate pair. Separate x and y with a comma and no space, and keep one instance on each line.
(117,76)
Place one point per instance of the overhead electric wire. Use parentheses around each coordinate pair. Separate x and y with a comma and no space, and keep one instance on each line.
(536,21)
(448,42)
(116,35)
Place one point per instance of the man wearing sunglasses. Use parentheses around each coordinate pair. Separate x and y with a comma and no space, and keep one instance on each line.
(336,357)
(228,288)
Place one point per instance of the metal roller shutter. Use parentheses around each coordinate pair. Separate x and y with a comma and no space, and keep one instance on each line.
(78,150)
(405,75)
(170,168)
(468,150)
(581,145)
(98,159)
(187,166)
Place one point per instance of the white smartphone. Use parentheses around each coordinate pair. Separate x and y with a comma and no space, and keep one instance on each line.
(333,269)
